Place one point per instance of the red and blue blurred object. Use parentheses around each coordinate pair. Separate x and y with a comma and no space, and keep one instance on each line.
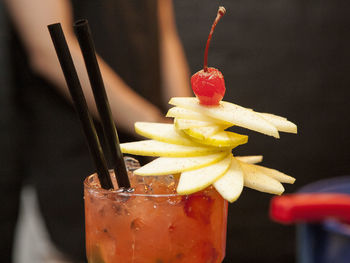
(322,212)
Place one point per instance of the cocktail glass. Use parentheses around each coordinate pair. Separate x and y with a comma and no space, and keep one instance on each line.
(153,224)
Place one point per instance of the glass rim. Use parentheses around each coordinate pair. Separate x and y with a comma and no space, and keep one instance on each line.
(122,192)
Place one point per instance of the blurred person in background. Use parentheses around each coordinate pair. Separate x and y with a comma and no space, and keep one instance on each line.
(9,146)
(142,64)
(287,57)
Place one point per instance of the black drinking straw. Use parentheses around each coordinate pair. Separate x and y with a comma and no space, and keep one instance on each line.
(78,98)
(82,30)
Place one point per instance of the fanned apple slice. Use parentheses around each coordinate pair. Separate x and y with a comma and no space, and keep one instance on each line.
(252,159)
(183,124)
(201,133)
(259,181)
(270,115)
(178,112)
(156,148)
(223,139)
(196,180)
(281,123)
(163,132)
(229,112)
(174,165)
(230,185)
(277,175)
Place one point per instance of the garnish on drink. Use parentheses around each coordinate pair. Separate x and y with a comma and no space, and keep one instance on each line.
(208,84)
(197,145)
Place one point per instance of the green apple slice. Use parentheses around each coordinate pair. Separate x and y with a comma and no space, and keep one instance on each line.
(230,185)
(156,148)
(223,139)
(271,116)
(229,112)
(174,165)
(183,124)
(257,180)
(281,123)
(163,132)
(182,113)
(196,180)
(252,159)
(201,133)
(277,175)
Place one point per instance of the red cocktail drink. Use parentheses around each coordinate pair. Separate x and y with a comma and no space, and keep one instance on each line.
(154,224)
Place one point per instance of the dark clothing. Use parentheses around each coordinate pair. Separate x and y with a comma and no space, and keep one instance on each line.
(126,37)
(291,58)
(55,152)
(10,174)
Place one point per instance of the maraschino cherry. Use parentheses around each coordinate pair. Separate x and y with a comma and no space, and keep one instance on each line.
(208,84)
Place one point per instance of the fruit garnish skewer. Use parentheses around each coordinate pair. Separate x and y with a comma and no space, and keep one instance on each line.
(197,145)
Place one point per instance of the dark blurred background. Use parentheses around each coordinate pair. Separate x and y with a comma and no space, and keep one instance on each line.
(287,57)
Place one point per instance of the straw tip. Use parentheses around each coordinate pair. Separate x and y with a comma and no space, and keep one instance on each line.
(81,22)
(54,24)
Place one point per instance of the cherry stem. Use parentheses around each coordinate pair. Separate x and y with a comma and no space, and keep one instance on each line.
(221,13)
